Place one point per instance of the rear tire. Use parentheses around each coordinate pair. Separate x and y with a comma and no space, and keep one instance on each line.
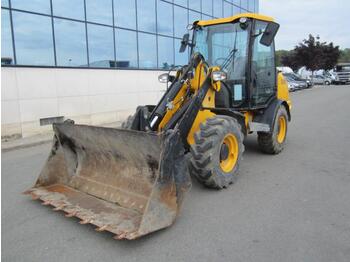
(217,152)
(273,143)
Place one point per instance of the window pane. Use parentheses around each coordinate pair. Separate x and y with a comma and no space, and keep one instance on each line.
(207,7)
(256,6)
(227,9)
(165,52)
(147,51)
(99,11)
(251,6)
(195,5)
(181,2)
(125,13)
(69,8)
(244,4)
(194,16)
(6,39)
(101,47)
(206,17)
(33,39)
(4,3)
(236,10)
(146,15)
(39,6)
(70,43)
(165,18)
(218,8)
(263,68)
(180,58)
(180,21)
(126,48)
(238,2)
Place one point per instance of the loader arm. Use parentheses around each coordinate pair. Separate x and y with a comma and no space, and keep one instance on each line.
(181,106)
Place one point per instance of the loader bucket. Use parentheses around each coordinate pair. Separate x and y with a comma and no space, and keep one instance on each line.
(127,182)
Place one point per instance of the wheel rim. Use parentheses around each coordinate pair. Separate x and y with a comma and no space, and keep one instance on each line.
(282,128)
(228,153)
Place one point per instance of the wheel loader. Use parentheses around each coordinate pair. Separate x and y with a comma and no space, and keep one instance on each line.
(131,181)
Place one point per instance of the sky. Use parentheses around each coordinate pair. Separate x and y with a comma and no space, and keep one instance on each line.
(330,19)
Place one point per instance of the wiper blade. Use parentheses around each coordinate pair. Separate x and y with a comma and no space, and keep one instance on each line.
(231,55)
(229,58)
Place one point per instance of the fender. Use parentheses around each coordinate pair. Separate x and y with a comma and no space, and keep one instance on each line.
(232,113)
(269,114)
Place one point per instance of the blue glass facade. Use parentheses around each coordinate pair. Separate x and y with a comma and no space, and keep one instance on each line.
(139,34)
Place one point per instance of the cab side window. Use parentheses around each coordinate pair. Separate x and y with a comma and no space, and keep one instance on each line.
(263,74)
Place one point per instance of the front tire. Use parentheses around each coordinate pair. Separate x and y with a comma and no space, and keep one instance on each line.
(274,142)
(217,152)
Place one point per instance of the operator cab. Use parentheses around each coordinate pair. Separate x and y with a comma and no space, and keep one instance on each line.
(229,43)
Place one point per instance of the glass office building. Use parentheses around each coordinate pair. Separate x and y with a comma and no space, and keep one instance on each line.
(134,34)
(93,61)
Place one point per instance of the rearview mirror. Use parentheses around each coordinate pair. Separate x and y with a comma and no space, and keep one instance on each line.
(184,42)
(269,33)
(165,78)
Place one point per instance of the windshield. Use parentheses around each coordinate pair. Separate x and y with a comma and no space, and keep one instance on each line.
(343,68)
(224,45)
(293,76)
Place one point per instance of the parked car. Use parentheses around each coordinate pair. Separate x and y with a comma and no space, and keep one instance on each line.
(321,80)
(293,84)
(297,78)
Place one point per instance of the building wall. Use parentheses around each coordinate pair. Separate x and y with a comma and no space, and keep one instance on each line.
(62,42)
(88,96)
(110,33)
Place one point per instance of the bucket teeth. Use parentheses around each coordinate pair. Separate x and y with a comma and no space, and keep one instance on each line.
(100,229)
(34,196)
(58,208)
(85,221)
(120,236)
(71,214)
(27,192)
(46,203)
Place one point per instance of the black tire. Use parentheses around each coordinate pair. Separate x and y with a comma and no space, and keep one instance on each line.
(126,124)
(268,142)
(207,151)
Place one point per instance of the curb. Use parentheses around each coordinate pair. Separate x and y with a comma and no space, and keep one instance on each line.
(8,148)
(38,139)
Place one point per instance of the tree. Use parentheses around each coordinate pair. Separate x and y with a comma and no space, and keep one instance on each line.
(289,59)
(330,56)
(279,55)
(313,54)
(344,56)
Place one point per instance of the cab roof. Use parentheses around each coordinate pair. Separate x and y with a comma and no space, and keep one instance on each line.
(233,18)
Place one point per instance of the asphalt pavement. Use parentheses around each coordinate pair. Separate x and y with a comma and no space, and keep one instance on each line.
(294,206)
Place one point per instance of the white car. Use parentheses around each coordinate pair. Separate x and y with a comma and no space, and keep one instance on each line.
(321,80)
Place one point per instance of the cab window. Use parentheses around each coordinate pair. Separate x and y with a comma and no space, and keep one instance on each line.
(263,71)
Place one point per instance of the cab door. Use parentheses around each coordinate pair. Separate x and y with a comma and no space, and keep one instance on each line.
(263,70)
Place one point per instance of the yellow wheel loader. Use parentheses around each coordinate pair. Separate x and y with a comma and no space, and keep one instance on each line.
(132,181)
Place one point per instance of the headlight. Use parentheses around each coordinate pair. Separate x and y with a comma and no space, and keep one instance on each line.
(291,85)
(218,76)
